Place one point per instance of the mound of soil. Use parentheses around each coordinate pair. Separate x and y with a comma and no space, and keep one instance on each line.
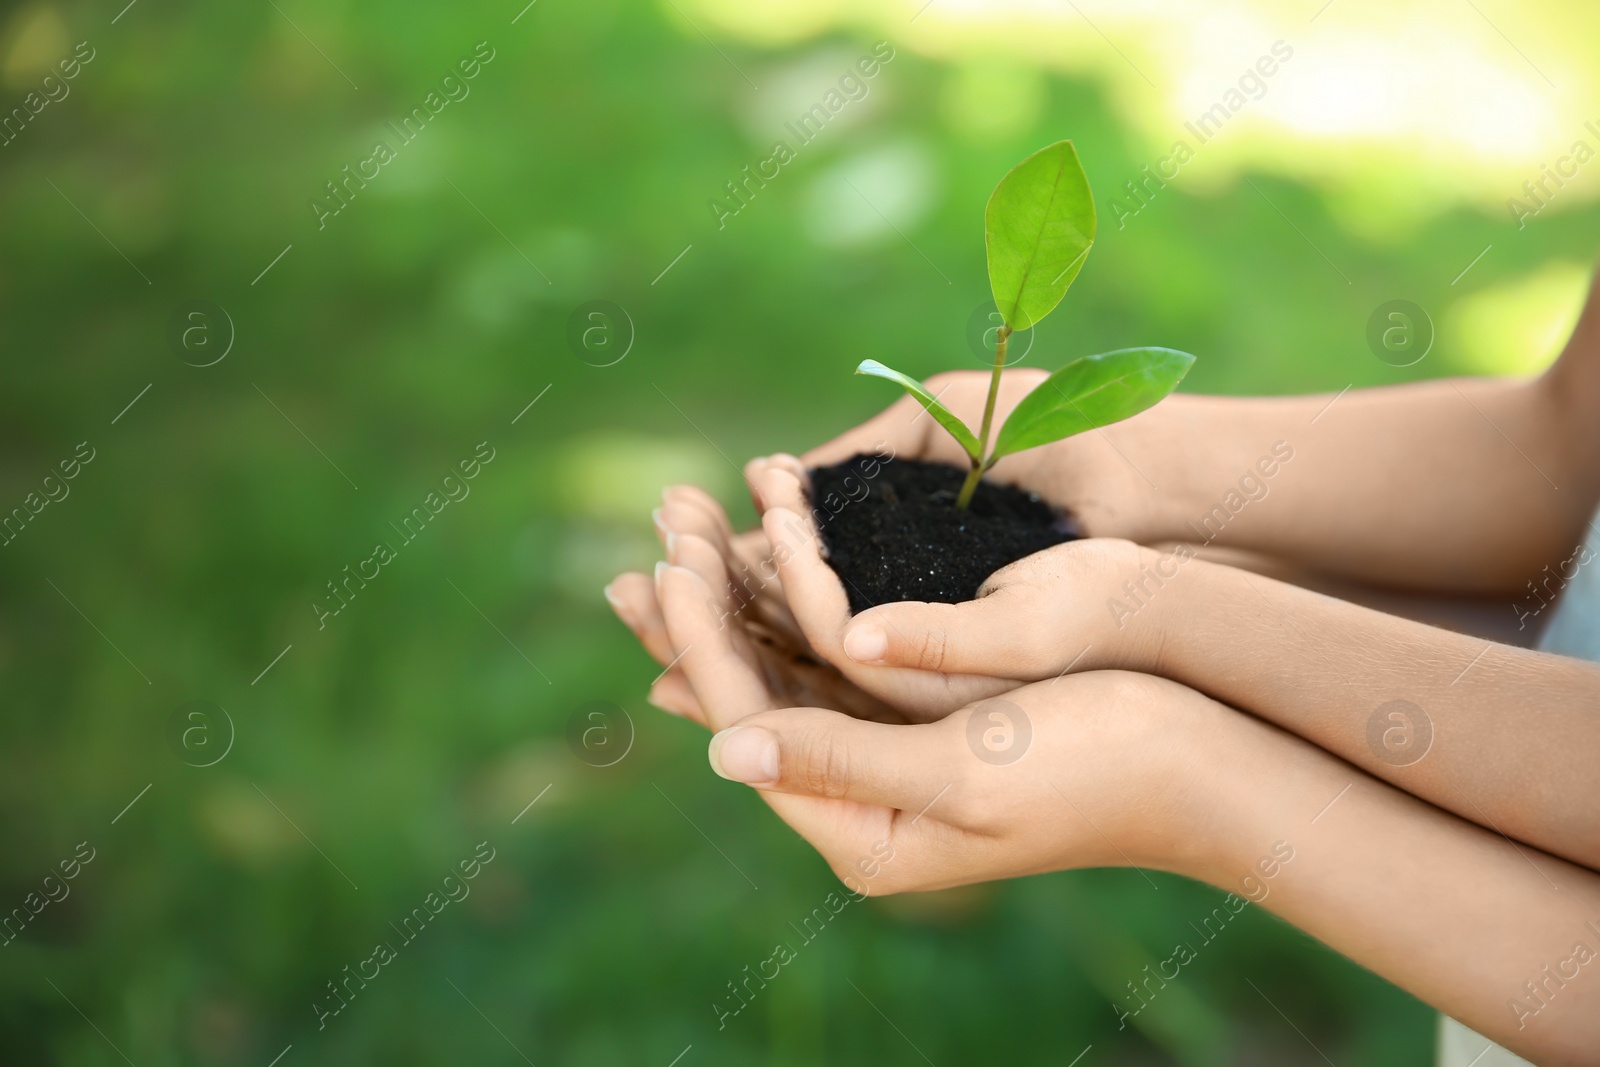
(898,535)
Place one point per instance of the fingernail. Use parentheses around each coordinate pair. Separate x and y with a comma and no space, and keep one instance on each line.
(661,568)
(755,490)
(661,527)
(654,699)
(745,754)
(866,643)
(615,602)
(672,547)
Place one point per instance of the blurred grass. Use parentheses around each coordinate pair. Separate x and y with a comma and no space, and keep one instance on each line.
(413,327)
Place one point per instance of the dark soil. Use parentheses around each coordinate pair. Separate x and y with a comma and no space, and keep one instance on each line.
(898,535)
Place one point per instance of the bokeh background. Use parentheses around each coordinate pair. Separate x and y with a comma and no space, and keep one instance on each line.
(352,764)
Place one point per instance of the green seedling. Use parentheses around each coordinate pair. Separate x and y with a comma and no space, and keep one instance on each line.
(1038,229)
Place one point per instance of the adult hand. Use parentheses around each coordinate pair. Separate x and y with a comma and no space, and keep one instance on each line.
(1108,768)
(1098,769)
(1086,474)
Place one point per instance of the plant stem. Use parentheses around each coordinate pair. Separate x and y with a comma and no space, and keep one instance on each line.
(980,464)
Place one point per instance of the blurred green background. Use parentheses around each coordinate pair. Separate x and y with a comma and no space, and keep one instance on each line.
(349,775)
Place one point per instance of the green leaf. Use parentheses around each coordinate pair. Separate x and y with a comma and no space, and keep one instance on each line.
(1091,392)
(1038,228)
(957,428)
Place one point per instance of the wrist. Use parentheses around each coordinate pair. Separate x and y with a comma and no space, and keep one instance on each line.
(1202,768)
(1202,486)
(1148,615)
(1174,751)
(1156,449)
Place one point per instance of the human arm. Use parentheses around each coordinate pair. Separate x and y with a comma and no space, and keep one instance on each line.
(1502,736)
(1465,486)
(1124,769)
(1420,487)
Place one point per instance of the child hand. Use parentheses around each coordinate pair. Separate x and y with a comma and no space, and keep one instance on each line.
(1091,475)
(1077,606)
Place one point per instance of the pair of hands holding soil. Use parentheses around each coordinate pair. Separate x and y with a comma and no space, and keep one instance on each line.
(903,730)
(885,755)
(1113,702)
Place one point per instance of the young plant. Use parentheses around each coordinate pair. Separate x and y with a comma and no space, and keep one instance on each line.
(1038,228)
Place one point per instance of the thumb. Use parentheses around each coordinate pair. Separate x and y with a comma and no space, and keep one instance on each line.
(820,753)
(999,634)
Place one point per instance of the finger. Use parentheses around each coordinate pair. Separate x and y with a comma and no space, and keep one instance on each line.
(693,541)
(817,598)
(749,549)
(726,682)
(756,468)
(753,470)
(781,488)
(819,753)
(998,634)
(850,834)
(709,519)
(814,593)
(679,517)
(745,558)
(751,568)
(633,597)
(728,688)
(673,694)
(702,557)
(784,461)
(764,610)
(753,576)
(680,514)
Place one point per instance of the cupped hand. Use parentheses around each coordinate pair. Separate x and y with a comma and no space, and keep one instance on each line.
(1076,606)
(1098,769)
(1079,606)
(737,579)
(1088,474)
